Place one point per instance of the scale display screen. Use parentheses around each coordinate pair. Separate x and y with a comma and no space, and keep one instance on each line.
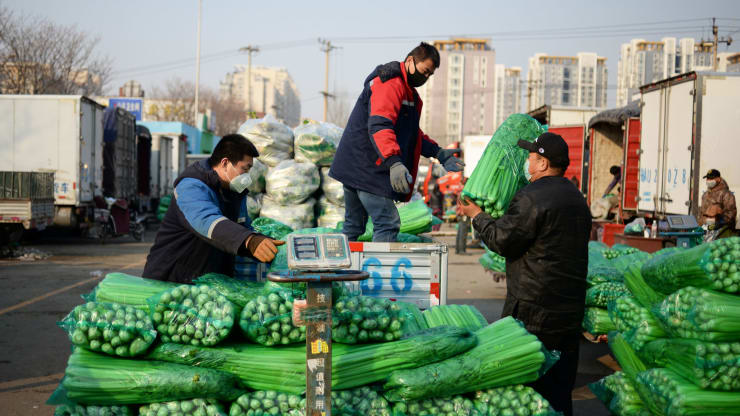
(318,252)
(681,222)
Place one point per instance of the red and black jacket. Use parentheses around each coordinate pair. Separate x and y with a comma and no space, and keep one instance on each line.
(383,129)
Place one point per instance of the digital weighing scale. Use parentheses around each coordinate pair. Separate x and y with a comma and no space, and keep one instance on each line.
(318,260)
(682,227)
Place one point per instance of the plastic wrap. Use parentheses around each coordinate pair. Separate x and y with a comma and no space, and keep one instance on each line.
(618,250)
(456,405)
(295,216)
(709,365)
(317,142)
(626,356)
(194,407)
(601,294)
(618,393)
(273,139)
(499,174)
(414,321)
(700,314)
(363,401)
(635,322)
(238,292)
(362,319)
(196,315)
(291,182)
(110,328)
(713,265)
(128,290)
(332,188)
(599,273)
(506,354)
(258,173)
(513,400)
(268,319)
(329,214)
(596,321)
(622,263)
(91,410)
(461,316)
(92,378)
(254,205)
(268,402)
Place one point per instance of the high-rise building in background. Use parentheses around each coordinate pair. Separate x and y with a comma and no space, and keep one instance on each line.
(507,94)
(642,62)
(273,92)
(729,62)
(575,81)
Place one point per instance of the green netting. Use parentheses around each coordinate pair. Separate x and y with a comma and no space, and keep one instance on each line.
(164,205)
(268,319)
(362,319)
(622,263)
(634,321)
(317,142)
(596,321)
(416,218)
(646,295)
(194,407)
(602,272)
(506,354)
(271,228)
(712,265)
(363,401)
(461,316)
(499,174)
(92,378)
(709,365)
(80,410)
(625,399)
(110,328)
(128,290)
(603,388)
(700,314)
(268,402)
(514,400)
(456,405)
(618,250)
(238,292)
(493,261)
(626,356)
(197,315)
(601,294)
(666,393)
(414,321)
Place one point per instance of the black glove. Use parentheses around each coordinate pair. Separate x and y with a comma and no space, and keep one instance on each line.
(448,161)
(400,178)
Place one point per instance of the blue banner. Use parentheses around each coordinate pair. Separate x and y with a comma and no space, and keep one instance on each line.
(132,105)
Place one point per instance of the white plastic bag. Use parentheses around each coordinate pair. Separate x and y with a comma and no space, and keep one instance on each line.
(329,214)
(254,205)
(273,139)
(317,142)
(292,183)
(295,216)
(332,188)
(258,172)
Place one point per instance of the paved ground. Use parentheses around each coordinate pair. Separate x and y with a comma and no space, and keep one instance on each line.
(35,295)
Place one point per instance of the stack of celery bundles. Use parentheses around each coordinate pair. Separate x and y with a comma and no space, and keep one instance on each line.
(416,218)
(499,174)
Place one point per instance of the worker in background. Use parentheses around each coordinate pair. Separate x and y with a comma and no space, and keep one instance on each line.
(616,173)
(544,237)
(206,224)
(378,155)
(718,207)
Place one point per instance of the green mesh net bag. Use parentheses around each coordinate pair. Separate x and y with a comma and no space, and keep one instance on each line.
(635,321)
(511,400)
(193,407)
(666,393)
(700,314)
(91,410)
(601,294)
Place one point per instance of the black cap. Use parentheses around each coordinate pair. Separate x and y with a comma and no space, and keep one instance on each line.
(713,173)
(551,146)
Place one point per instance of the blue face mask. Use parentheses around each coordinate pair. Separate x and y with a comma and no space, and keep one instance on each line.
(526,171)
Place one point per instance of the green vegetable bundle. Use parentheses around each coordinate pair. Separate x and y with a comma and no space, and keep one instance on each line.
(238,292)
(416,218)
(456,405)
(268,402)
(317,142)
(626,356)
(92,378)
(128,290)
(284,369)
(634,321)
(271,228)
(621,263)
(700,314)
(194,407)
(362,401)
(362,319)
(414,321)
(601,294)
(499,174)
(506,354)
(618,393)
(708,365)
(515,400)
(646,295)
(111,328)
(596,321)
(493,261)
(80,410)
(461,316)
(268,319)
(192,315)
(666,393)
(617,251)
(164,205)
(713,265)
(599,273)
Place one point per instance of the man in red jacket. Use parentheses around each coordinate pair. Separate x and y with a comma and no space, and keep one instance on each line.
(378,156)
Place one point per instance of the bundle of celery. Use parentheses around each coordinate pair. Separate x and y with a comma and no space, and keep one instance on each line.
(284,369)
(128,290)
(634,321)
(268,319)
(599,273)
(362,319)
(626,356)
(192,314)
(415,321)
(700,314)
(269,402)
(416,218)
(80,410)
(499,174)
(621,263)
(111,328)
(461,316)
(92,378)
(601,294)
(709,365)
(646,295)
(506,354)
(712,265)
(194,407)
(456,405)
(666,393)
(618,393)
(596,321)
(238,292)
(493,261)
(512,400)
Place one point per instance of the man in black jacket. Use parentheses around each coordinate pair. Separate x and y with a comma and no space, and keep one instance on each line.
(544,237)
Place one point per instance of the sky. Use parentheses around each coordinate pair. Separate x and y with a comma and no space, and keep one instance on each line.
(152,41)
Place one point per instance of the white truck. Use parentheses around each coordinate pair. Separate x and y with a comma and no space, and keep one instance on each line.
(689,125)
(62,134)
(26,203)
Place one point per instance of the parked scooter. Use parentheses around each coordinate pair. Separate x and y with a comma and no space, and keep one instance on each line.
(116,219)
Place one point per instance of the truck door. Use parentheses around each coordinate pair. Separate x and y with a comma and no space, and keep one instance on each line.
(631,173)
(650,145)
(573,136)
(678,138)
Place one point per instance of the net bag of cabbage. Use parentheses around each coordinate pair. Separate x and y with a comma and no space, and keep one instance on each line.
(194,407)
(273,139)
(700,314)
(513,401)
(363,319)
(317,142)
(192,314)
(91,410)
(506,354)
(455,405)
(268,319)
(110,328)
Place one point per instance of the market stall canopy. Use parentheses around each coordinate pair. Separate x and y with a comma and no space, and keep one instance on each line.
(616,116)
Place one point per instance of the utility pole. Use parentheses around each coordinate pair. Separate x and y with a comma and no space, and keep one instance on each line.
(264,96)
(327,47)
(197,65)
(250,50)
(716,42)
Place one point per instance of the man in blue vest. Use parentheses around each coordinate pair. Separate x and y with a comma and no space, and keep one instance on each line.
(206,224)
(378,156)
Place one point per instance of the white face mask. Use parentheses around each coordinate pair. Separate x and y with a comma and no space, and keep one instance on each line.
(711,184)
(526,171)
(239,183)
(709,221)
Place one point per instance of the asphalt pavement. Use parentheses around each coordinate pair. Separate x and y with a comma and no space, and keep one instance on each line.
(34,295)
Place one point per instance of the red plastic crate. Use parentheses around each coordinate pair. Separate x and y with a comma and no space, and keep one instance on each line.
(609,231)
